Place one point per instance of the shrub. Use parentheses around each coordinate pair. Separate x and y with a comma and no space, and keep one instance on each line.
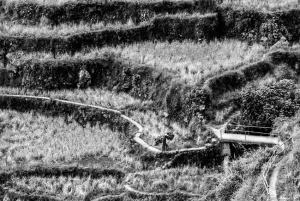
(283,57)
(173,27)
(259,69)
(173,100)
(160,185)
(285,72)
(180,27)
(225,82)
(242,24)
(185,103)
(273,31)
(196,103)
(111,11)
(263,104)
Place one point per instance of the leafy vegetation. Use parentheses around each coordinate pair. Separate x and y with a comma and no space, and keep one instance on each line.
(261,105)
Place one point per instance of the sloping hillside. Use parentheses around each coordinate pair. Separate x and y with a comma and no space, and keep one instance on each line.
(90,91)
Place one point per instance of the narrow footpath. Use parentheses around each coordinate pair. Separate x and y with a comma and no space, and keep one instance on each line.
(274,176)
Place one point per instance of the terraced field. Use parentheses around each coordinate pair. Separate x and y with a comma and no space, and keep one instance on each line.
(158,71)
(29,138)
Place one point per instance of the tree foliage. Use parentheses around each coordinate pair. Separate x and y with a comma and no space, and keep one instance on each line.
(263,104)
(272,30)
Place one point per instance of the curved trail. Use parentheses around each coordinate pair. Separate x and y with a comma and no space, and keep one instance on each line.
(274,176)
(140,128)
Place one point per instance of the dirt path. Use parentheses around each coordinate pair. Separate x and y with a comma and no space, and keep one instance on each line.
(273,178)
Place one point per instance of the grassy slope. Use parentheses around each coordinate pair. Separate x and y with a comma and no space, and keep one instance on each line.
(246,167)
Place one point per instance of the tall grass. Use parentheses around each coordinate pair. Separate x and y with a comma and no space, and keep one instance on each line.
(194,62)
(29,139)
(263,5)
(67,188)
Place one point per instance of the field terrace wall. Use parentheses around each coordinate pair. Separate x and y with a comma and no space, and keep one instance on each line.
(165,28)
(140,81)
(232,80)
(284,57)
(177,195)
(162,87)
(14,196)
(226,23)
(81,114)
(180,100)
(61,171)
(230,23)
(76,42)
(49,172)
(107,11)
(182,27)
(108,72)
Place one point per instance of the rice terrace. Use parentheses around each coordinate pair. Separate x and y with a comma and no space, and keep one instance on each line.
(141,100)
